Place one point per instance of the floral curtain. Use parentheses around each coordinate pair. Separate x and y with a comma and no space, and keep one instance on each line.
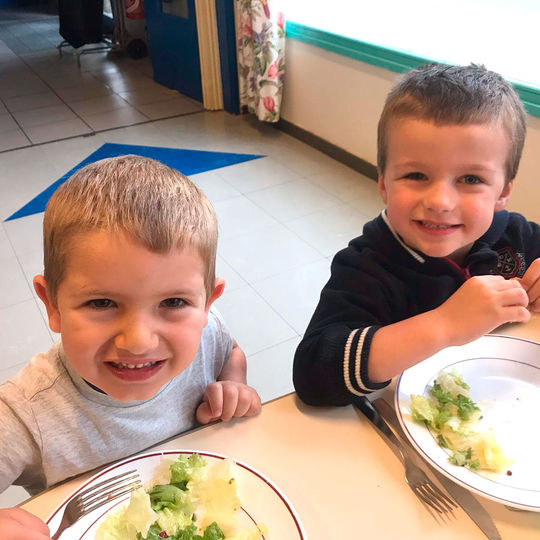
(260,31)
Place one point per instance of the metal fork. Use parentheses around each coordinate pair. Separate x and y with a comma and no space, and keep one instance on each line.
(95,496)
(421,485)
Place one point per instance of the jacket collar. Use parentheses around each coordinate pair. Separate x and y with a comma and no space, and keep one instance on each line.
(481,251)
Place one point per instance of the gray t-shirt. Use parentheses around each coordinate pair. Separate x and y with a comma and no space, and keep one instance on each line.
(53,425)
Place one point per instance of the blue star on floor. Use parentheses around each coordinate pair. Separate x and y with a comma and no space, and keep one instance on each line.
(187,162)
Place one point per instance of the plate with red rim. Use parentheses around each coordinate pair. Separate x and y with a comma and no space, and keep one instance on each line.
(262,500)
(504,377)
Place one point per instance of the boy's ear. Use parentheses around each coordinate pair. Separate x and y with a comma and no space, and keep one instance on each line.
(42,290)
(216,293)
(504,196)
(382,188)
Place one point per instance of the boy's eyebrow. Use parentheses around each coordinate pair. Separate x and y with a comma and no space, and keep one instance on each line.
(103,293)
(465,167)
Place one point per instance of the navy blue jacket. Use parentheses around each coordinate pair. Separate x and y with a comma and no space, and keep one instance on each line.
(378,280)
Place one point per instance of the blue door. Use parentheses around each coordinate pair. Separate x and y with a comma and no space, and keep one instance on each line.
(174,46)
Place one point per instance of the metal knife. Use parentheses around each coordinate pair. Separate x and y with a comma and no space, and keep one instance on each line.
(461,495)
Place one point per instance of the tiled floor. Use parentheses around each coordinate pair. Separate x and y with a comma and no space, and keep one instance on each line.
(46,97)
(281,217)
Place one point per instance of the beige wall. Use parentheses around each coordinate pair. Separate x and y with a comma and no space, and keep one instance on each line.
(339,99)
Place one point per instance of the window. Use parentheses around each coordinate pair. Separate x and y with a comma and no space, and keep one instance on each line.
(399,35)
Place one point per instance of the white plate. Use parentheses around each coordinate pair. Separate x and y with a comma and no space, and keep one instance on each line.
(504,375)
(262,501)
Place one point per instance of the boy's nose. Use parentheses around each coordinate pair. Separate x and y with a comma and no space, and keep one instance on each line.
(440,197)
(136,336)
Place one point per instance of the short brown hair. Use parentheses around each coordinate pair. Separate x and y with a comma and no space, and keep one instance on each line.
(155,204)
(457,95)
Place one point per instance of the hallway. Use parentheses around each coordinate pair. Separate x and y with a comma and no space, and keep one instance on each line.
(47,97)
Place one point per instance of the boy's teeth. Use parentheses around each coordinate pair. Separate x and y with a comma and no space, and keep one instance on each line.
(131,366)
(434,226)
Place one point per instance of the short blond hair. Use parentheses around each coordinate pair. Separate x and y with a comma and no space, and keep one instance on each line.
(151,202)
(446,94)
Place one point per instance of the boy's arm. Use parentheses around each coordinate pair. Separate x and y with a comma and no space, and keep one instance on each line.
(353,346)
(235,369)
(481,304)
(229,396)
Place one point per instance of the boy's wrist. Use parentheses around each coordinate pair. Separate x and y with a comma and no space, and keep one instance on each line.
(445,330)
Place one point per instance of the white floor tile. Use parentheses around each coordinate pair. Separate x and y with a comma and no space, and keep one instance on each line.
(23,333)
(294,294)
(267,252)
(346,184)
(14,138)
(215,188)
(33,101)
(170,107)
(13,285)
(253,323)
(25,234)
(82,92)
(233,280)
(115,118)
(257,174)
(238,216)
(97,105)
(44,115)
(7,123)
(292,200)
(148,95)
(58,130)
(270,371)
(331,229)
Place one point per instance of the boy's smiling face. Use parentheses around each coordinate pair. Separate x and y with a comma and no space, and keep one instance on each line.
(442,184)
(121,306)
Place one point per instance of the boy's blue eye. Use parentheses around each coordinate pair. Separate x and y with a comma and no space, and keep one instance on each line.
(173,303)
(471,180)
(101,303)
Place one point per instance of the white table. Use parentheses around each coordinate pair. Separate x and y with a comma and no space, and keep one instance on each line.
(335,469)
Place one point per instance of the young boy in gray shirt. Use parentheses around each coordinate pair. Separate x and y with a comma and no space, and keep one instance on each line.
(129,283)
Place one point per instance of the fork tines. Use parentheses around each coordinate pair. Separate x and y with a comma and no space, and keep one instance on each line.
(436,499)
(108,490)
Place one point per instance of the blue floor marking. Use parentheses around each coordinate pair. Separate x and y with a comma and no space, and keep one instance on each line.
(187,162)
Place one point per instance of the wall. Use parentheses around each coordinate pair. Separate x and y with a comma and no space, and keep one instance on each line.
(339,99)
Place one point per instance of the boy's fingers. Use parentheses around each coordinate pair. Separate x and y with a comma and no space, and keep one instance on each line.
(514,297)
(534,293)
(518,314)
(28,526)
(532,275)
(255,407)
(230,402)
(214,396)
(244,402)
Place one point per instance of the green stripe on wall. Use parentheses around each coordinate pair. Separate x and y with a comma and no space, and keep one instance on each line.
(391,59)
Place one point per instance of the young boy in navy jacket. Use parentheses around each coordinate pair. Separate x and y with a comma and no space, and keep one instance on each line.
(444,263)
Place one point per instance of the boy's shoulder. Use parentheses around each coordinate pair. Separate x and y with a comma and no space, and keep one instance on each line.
(216,338)
(40,374)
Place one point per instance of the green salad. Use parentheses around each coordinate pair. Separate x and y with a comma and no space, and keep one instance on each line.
(454,417)
(189,501)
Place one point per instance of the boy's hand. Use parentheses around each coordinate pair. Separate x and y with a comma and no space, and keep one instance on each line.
(481,304)
(18,524)
(531,284)
(227,399)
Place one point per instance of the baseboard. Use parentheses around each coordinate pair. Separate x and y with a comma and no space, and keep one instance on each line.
(335,152)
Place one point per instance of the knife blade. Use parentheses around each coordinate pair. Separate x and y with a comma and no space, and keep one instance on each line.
(462,496)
